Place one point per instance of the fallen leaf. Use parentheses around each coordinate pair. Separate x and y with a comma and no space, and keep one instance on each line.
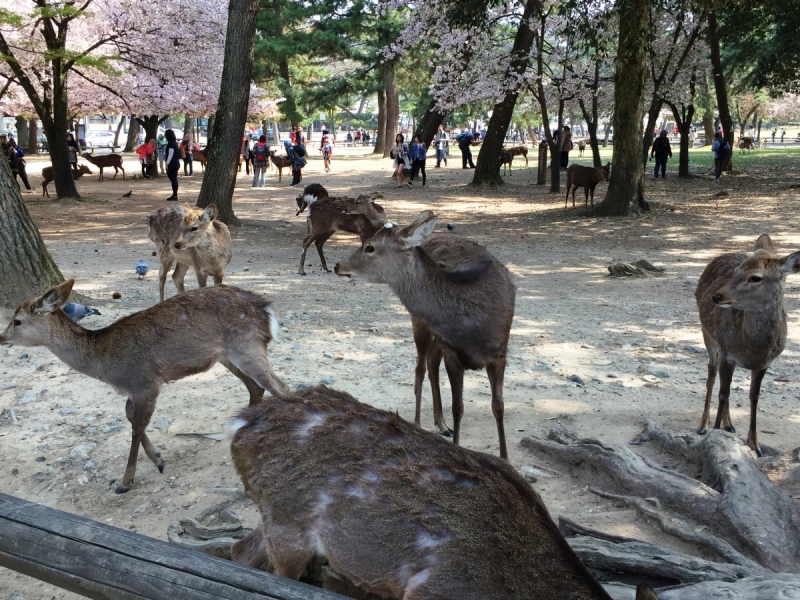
(768,431)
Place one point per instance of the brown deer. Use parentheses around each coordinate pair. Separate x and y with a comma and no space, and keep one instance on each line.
(518,151)
(328,215)
(47,176)
(194,239)
(456,290)
(136,355)
(581,147)
(740,299)
(200,157)
(281,162)
(506,158)
(746,143)
(106,160)
(395,509)
(587,178)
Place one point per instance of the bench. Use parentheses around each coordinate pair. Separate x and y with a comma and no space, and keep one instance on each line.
(100,561)
(91,149)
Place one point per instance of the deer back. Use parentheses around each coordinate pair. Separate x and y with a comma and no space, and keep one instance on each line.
(331,214)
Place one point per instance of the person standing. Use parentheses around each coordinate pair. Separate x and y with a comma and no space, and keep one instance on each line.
(297,154)
(565,145)
(783,134)
(247,152)
(720,148)
(662,152)
(442,140)
(72,151)
(326,146)
(260,161)
(161,147)
(464,141)
(19,153)
(400,154)
(418,156)
(186,155)
(173,162)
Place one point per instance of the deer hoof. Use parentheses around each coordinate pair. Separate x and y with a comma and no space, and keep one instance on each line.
(448,433)
(729,429)
(303,273)
(121,489)
(702,431)
(759,454)
(160,465)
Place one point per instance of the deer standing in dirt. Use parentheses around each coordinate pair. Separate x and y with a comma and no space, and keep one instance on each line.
(740,299)
(461,301)
(395,509)
(581,147)
(506,158)
(587,178)
(194,239)
(136,355)
(327,215)
(280,162)
(102,161)
(47,176)
(518,151)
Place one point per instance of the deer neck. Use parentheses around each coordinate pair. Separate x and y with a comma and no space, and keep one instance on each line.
(765,327)
(413,280)
(78,347)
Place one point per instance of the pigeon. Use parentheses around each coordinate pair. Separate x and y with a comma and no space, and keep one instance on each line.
(128,195)
(76,312)
(141,269)
(450,227)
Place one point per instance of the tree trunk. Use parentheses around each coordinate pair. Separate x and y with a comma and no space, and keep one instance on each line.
(309,131)
(22,132)
(555,152)
(26,267)
(120,125)
(210,129)
(133,135)
(380,137)
(487,170)
(55,130)
(187,126)
(625,193)
(591,124)
(652,119)
(150,124)
(33,137)
(683,119)
(759,130)
(231,115)
(607,131)
(708,128)
(429,123)
(719,85)
(392,107)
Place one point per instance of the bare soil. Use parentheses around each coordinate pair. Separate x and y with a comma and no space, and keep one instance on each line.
(635,342)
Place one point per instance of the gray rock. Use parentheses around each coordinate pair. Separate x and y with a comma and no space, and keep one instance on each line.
(658,371)
(327,355)
(113,428)
(82,451)
(88,418)
(8,386)
(303,386)
(69,411)
(327,380)
(27,397)
(17,596)
(161,424)
(40,459)
(23,355)
(142,508)
(577,379)
(695,349)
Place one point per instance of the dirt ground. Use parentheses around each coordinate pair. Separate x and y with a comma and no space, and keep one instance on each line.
(635,343)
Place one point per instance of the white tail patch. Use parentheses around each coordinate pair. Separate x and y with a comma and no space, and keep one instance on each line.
(309,199)
(236,425)
(274,327)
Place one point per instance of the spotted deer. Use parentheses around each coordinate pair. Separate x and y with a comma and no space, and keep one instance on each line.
(137,354)
(461,301)
(395,509)
(740,299)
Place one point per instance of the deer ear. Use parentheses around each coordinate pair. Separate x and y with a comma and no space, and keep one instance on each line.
(55,297)
(420,228)
(789,264)
(764,242)
(210,213)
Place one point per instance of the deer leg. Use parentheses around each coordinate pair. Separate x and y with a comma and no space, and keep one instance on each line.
(726,369)
(166,265)
(256,391)
(178,274)
(115,173)
(123,172)
(586,198)
(319,243)
(202,277)
(306,244)
(251,550)
(139,409)
(755,390)
(496,372)
(455,373)
(287,554)
(575,189)
(217,278)
(566,200)
(434,360)
(422,340)
(713,361)
(254,363)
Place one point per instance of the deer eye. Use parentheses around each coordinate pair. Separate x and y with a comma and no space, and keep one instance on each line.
(194,228)
(17,322)
(755,279)
(369,249)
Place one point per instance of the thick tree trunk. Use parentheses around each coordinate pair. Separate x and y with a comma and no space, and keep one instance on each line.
(652,119)
(33,137)
(120,126)
(607,131)
(210,129)
(708,128)
(26,267)
(759,130)
(591,122)
(429,123)
(719,84)
(231,115)
(392,106)
(625,193)
(133,135)
(55,130)
(150,124)
(487,170)
(22,132)
(380,137)
(187,126)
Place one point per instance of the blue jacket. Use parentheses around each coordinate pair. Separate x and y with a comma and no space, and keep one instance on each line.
(297,161)
(418,151)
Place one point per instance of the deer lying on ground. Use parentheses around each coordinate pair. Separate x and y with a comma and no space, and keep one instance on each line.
(395,509)
(740,299)
(746,143)
(518,151)
(194,239)
(506,158)
(327,215)
(281,162)
(136,355)
(587,178)
(47,176)
(457,291)
(106,160)
(581,147)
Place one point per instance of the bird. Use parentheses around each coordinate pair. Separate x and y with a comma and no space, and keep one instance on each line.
(450,227)
(128,195)
(76,312)
(141,269)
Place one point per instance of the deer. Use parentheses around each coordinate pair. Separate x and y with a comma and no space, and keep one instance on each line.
(194,239)
(328,215)
(587,178)
(200,157)
(137,354)
(47,176)
(506,158)
(281,162)
(581,147)
(106,160)
(461,301)
(518,151)
(393,508)
(746,143)
(743,318)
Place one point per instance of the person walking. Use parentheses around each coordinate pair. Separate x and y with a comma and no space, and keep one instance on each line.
(720,148)
(418,156)
(186,155)
(774,133)
(442,140)
(565,145)
(72,151)
(662,152)
(326,147)
(297,154)
(161,148)
(173,162)
(247,152)
(400,154)
(20,153)
(783,134)
(260,161)
(464,141)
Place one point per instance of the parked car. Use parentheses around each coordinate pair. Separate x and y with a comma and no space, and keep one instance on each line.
(100,139)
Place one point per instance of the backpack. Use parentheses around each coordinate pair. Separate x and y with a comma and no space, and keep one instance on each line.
(20,152)
(261,152)
(722,151)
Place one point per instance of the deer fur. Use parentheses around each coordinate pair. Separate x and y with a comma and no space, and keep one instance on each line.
(136,355)
(395,509)
(518,151)
(106,160)
(327,215)
(200,157)
(587,178)
(194,239)
(746,143)
(47,176)
(280,162)
(740,299)
(506,158)
(581,147)
(457,290)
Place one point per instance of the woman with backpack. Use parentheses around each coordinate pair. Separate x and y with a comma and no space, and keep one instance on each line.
(662,151)
(260,155)
(720,148)
(173,162)
(19,153)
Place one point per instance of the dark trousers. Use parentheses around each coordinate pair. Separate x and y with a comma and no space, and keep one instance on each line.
(22,174)
(187,162)
(144,170)
(718,167)
(247,165)
(661,163)
(466,156)
(297,176)
(418,166)
(172,173)
(564,159)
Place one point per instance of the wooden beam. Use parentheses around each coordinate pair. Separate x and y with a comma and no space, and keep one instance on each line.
(100,561)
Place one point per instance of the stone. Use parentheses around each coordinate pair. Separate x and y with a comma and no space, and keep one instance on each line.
(69,411)
(161,424)
(659,371)
(113,428)
(82,451)
(142,508)
(651,379)
(695,349)
(8,386)
(577,379)
(303,386)
(40,459)
(329,380)
(27,397)
(327,355)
